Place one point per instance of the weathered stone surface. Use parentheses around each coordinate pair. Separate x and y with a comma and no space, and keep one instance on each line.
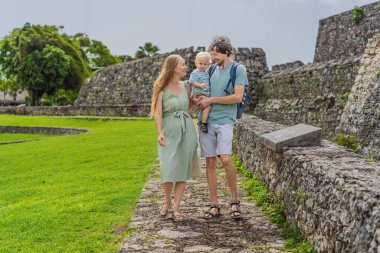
(339,37)
(195,234)
(197,248)
(299,135)
(310,94)
(131,83)
(289,65)
(331,194)
(361,115)
(42,130)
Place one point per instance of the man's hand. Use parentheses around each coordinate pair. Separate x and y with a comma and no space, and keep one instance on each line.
(204,102)
(195,98)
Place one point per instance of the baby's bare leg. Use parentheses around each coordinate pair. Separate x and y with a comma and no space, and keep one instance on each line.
(205,113)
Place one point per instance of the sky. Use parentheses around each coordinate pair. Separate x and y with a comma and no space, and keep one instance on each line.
(285,29)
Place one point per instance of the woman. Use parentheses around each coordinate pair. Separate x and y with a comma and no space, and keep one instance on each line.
(176,132)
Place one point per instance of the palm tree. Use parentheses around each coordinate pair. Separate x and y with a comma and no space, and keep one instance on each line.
(147,50)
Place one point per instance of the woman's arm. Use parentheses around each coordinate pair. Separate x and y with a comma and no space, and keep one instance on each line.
(190,97)
(158,119)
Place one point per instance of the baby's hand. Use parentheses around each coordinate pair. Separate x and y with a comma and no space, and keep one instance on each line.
(202,86)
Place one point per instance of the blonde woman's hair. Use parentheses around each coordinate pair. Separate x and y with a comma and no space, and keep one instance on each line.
(203,55)
(163,79)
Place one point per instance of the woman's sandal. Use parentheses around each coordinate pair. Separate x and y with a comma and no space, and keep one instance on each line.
(210,215)
(164,210)
(178,216)
(235,211)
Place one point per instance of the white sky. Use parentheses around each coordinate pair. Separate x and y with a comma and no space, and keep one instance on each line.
(285,29)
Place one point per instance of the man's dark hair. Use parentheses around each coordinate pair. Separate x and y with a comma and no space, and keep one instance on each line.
(222,45)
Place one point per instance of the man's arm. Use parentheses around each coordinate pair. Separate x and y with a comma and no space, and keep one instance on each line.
(234,98)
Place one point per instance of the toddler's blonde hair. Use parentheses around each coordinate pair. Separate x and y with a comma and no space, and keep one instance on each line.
(203,55)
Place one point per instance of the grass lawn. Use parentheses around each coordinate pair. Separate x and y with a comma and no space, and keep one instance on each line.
(73,193)
(4,137)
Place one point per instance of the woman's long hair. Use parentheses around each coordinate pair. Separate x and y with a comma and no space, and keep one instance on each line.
(163,79)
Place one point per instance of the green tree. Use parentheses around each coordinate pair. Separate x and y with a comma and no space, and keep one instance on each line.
(3,87)
(9,86)
(147,50)
(44,72)
(36,44)
(97,53)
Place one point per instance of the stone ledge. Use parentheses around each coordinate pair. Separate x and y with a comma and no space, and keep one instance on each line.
(331,193)
(41,130)
(299,135)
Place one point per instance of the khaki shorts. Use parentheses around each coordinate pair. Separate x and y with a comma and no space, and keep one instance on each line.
(218,140)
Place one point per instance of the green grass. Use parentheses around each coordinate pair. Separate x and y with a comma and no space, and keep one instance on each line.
(4,137)
(73,193)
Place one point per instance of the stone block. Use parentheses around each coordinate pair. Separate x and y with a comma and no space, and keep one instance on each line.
(299,135)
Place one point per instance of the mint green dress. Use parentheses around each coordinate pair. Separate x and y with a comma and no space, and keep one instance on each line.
(179,157)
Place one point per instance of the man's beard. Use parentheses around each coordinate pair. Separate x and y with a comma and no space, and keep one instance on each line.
(220,63)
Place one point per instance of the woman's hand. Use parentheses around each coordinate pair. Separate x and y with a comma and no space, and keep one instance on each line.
(161,139)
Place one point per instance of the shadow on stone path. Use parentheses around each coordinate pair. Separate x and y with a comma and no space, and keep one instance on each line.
(195,234)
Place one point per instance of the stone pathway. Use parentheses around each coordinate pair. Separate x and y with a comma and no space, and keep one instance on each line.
(195,234)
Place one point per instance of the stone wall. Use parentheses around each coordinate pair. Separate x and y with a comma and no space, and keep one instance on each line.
(361,115)
(311,94)
(131,83)
(137,110)
(125,83)
(288,65)
(339,37)
(331,194)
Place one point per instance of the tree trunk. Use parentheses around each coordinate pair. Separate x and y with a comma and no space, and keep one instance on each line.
(36,98)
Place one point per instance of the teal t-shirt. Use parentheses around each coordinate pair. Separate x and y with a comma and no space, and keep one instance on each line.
(224,114)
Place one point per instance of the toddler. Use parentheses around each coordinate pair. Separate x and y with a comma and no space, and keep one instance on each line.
(199,81)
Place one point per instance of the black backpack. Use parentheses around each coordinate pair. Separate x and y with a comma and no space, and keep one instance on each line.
(244,102)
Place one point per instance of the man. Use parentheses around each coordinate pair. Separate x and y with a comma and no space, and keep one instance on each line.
(218,140)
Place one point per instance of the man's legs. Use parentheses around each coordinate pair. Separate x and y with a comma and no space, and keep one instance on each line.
(231,175)
(212,180)
(224,136)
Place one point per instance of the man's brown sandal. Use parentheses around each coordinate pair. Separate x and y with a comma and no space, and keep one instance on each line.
(235,211)
(210,215)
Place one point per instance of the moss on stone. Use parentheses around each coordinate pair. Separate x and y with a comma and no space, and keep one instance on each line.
(350,141)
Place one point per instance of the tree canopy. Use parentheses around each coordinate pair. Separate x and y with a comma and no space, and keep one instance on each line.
(42,60)
(97,53)
(147,50)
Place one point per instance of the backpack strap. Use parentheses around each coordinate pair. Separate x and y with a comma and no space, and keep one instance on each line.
(211,70)
(232,80)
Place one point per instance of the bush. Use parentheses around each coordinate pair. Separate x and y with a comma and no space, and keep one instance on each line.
(60,98)
(357,14)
